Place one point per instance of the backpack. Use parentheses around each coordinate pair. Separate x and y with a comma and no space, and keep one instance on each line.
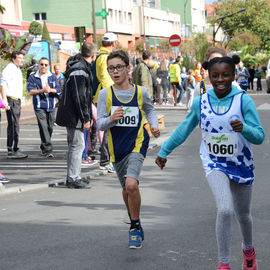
(96,82)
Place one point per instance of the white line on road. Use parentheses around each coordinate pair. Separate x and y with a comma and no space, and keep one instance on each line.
(37,139)
(32,166)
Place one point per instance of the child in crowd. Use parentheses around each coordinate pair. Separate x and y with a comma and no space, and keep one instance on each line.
(229,123)
(197,72)
(183,74)
(189,86)
(204,84)
(121,111)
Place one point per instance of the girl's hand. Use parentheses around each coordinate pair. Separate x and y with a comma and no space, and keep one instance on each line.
(155,131)
(161,162)
(237,125)
(118,114)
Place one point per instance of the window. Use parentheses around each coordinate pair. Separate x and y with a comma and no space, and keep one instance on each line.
(129,17)
(40,16)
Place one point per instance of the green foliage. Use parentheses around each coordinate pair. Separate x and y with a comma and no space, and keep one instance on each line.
(255,19)
(45,34)
(2,9)
(140,46)
(240,40)
(8,44)
(200,45)
(187,63)
(164,44)
(186,47)
(35,28)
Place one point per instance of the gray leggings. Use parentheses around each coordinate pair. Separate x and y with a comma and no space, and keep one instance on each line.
(230,196)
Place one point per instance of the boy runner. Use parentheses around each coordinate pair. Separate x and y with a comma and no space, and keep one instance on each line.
(122,109)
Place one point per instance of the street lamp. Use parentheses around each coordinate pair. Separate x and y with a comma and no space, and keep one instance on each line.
(221,20)
(226,32)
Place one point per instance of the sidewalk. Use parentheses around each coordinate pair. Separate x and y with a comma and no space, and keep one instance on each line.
(28,116)
(173,116)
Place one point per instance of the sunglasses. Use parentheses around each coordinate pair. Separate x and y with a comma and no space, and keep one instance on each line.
(44,65)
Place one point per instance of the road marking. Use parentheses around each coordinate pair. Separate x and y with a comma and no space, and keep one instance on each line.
(33,166)
(264,106)
(37,139)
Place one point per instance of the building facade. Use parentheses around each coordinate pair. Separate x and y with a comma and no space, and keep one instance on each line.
(12,17)
(198,16)
(129,19)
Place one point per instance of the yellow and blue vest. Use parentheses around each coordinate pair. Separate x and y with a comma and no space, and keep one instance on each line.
(129,135)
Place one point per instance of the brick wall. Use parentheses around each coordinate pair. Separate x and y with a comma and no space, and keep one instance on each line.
(62,60)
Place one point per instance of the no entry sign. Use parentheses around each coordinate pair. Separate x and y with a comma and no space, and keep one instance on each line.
(174,40)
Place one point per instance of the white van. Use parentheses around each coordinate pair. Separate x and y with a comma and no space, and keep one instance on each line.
(268,77)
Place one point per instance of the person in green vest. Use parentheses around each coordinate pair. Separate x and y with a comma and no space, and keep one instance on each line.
(175,80)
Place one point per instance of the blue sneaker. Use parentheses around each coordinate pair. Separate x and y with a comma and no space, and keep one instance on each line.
(141,231)
(135,239)
(140,228)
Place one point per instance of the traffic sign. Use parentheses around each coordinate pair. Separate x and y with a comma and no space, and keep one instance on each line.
(175,40)
(103,14)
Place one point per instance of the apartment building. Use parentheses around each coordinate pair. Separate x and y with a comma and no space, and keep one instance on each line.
(12,17)
(131,20)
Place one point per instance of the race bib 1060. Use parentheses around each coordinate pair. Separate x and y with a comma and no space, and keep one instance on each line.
(130,118)
(222,144)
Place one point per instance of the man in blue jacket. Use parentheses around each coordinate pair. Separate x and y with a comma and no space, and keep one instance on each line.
(44,88)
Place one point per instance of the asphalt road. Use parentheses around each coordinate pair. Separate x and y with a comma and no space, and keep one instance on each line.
(57,228)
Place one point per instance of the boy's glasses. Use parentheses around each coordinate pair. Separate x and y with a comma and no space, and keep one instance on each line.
(111,69)
(44,65)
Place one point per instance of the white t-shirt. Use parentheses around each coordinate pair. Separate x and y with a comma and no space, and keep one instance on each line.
(12,80)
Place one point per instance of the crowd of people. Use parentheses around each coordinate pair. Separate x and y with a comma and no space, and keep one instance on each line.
(102,96)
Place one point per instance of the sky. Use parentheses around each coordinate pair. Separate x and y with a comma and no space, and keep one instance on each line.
(209,1)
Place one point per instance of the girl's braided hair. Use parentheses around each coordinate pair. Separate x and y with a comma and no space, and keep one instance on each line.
(232,61)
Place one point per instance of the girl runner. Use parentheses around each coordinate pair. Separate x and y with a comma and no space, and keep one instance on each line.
(229,122)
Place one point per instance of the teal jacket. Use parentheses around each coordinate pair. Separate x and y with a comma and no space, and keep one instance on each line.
(252,129)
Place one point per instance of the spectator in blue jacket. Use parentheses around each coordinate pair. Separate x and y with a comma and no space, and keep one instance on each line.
(44,87)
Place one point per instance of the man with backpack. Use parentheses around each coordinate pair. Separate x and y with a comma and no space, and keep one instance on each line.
(74,111)
(102,79)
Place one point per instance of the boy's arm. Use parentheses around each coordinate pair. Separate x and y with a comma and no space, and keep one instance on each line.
(149,109)
(103,120)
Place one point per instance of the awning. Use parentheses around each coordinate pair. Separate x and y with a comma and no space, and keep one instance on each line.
(14,30)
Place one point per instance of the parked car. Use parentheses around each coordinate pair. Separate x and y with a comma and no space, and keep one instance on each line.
(268,77)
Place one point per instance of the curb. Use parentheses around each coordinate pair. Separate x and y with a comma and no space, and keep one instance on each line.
(61,182)
(20,189)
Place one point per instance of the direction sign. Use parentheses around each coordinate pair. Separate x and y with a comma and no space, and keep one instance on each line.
(175,40)
(103,13)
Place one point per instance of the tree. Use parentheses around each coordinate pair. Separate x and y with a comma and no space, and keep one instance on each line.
(200,45)
(45,33)
(255,19)
(164,45)
(8,44)
(35,28)
(140,46)
(2,9)
(242,39)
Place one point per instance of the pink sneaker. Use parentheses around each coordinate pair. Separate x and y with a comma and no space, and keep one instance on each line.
(249,262)
(224,266)
(3,179)
(88,162)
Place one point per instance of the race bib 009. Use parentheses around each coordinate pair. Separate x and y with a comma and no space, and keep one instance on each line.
(222,144)
(130,118)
